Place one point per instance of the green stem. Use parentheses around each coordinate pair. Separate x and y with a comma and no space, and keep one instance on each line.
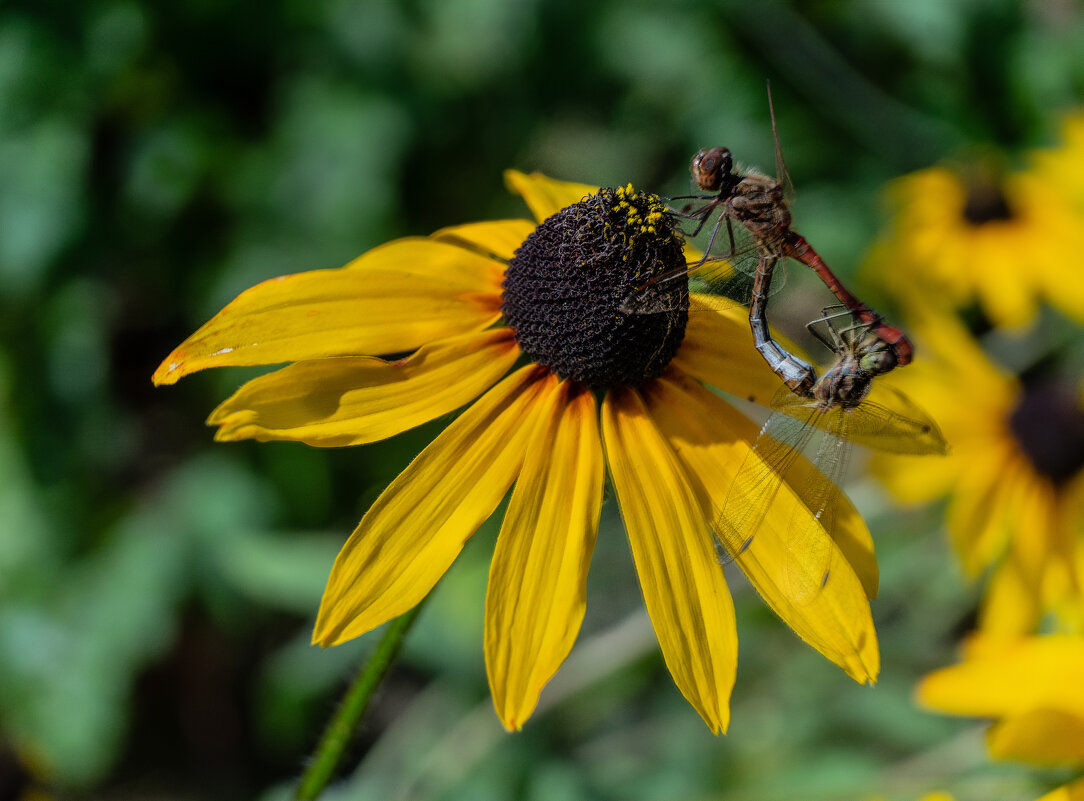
(329,753)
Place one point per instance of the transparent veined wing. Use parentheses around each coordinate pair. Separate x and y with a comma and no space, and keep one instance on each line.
(886,420)
(762,486)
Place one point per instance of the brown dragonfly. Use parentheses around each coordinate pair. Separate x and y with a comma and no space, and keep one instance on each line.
(751,210)
(841,406)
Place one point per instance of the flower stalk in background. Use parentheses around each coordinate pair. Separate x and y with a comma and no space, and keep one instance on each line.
(520,322)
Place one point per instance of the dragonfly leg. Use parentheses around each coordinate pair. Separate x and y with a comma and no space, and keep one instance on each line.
(700,226)
(839,335)
(690,197)
(833,342)
(714,233)
(730,236)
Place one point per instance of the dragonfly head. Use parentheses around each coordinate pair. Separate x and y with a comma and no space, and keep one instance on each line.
(876,357)
(712,167)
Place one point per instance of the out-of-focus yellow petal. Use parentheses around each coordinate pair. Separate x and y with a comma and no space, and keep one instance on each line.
(543,195)
(946,346)
(1008,300)
(1010,678)
(1034,520)
(538,577)
(418,525)
(979,512)
(496,238)
(711,440)
(718,350)
(1010,607)
(683,584)
(1074,791)
(1039,736)
(394,298)
(345,401)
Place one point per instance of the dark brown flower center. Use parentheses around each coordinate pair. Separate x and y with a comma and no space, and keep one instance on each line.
(1048,423)
(567,290)
(986,202)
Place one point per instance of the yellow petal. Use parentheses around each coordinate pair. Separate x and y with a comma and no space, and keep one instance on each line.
(1074,791)
(1010,608)
(1006,299)
(712,441)
(979,511)
(496,238)
(333,402)
(1010,678)
(718,350)
(1039,736)
(1034,527)
(394,298)
(546,196)
(917,479)
(683,584)
(537,580)
(953,351)
(418,525)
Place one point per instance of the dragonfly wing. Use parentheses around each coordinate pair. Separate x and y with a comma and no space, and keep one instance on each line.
(887,420)
(810,548)
(782,177)
(730,263)
(829,520)
(809,557)
(760,485)
(756,485)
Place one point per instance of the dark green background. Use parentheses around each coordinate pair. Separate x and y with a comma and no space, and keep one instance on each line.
(157,591)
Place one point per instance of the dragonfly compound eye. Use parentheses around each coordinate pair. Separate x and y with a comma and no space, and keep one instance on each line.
(877,362)
(710,166)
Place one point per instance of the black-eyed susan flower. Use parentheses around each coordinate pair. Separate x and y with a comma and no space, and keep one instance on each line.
(998,239)
(1032,686)
(521,324)
(1014,479)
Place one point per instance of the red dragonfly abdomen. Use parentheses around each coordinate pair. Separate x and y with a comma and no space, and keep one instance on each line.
(796,247)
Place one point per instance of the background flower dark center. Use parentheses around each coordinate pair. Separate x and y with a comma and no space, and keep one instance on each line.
(986,202)
(1048,423)
(567,290)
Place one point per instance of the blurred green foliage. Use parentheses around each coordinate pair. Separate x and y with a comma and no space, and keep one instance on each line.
(156,591)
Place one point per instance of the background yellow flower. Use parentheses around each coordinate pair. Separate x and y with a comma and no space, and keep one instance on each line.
(1001,239)
(1014,479)
(1031,686)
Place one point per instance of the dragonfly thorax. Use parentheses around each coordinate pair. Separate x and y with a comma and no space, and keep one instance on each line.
(758,203)
(844,384)
(847,382)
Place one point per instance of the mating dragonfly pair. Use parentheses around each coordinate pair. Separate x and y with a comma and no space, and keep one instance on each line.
(749,210)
